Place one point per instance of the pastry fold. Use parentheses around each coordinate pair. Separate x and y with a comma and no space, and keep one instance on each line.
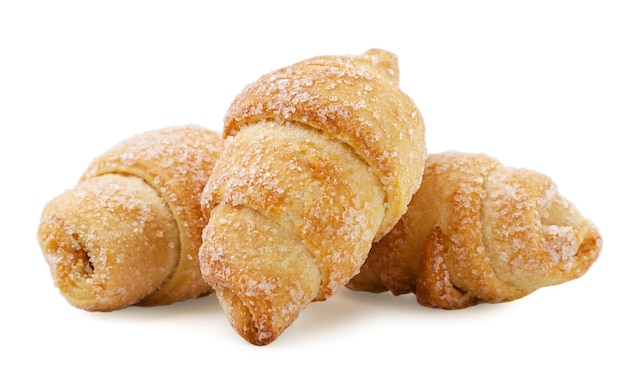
(129,231)
(320,160)
(477,231)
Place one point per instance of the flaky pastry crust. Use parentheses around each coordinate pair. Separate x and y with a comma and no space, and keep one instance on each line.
(129,231)
(320,160)
(477,231)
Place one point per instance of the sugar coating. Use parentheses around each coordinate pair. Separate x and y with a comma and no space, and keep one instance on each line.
(265,268)
(543,233)
(477,231)
(307,187)
(355,100)
(167,166)
(101,237)
(328,151)
(180,158)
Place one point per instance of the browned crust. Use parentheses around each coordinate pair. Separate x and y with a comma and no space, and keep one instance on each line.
(477,231)
(109,242)
(173,165)
(354,99)
(176,162)
(320,160)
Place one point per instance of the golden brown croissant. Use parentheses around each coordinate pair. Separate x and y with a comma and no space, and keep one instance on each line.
(477,231)
(322,158)
(129,231)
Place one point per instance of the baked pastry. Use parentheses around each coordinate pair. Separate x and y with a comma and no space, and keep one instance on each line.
(321,159)
(129,231)
(477,231)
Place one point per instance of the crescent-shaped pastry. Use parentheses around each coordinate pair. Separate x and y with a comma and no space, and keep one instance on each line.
(322,158)
(477,231)
(129,231)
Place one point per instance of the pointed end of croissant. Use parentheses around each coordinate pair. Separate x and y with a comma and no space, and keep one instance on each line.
(525,208)
(572,248)
(245,319)
(385,62)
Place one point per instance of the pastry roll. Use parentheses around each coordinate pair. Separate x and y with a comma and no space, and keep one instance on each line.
(477,231)
(321,159)
(129,232)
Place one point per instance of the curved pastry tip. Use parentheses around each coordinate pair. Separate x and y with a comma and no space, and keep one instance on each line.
(255,330)
(386,62)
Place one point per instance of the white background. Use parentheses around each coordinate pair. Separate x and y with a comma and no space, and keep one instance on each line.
(539,84)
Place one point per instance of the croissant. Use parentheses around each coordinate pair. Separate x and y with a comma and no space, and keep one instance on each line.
(477,231)
(129,231)
(321,159)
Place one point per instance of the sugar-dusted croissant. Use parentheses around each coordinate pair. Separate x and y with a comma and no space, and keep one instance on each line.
(321,158)
(129,231)
(477,231)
